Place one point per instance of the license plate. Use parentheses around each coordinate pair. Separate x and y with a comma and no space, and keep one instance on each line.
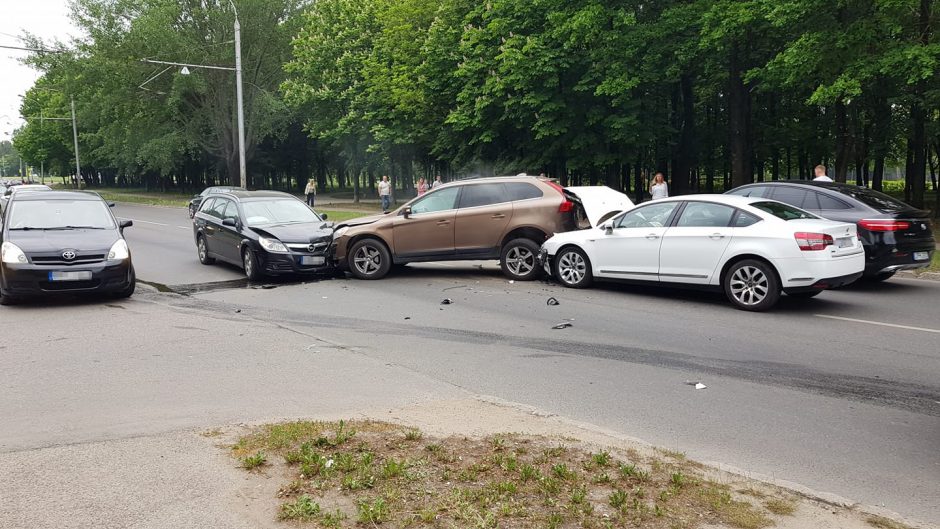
(921,256)
(845,242)
(83,275)
(312,260)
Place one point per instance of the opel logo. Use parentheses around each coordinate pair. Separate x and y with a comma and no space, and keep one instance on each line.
(312,247)
(68,255)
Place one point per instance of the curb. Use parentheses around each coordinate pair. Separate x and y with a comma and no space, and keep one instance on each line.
(926,276)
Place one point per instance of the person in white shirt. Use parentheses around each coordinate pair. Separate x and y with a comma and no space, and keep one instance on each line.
(385,193)
(659,188)
(821,174)
(437,182)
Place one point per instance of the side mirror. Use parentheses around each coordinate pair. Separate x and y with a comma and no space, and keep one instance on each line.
(125,224)
(324,216)
(406,211)
(608,227)
(110,204)
(230,222)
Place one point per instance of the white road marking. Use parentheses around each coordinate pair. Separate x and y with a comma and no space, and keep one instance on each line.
(148,222)
(185,227)
(896,326)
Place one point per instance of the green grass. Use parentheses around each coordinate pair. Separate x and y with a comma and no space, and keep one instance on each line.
(253,461)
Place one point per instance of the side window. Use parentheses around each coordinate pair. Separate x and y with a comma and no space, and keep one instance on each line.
(790,195)
(750,191)
(441,200)
(522,191)
(482,195)
(705,214)
(208,205)
(651,216)
(811,202)
(743,219)
(218,208)
(230,211)
(828,202)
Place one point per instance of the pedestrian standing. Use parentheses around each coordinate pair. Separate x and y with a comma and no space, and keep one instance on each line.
(422,186)
(311,192)
(821,174)
(659,188)
(385,193)
(437,182)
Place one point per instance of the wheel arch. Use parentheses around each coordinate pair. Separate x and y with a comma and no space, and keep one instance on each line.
(744,257)
(535,234)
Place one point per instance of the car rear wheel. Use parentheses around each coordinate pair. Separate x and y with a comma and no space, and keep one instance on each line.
(519,260)
(250,263)
(202,249)
(369,259)
(752,285)
(192,211)
(572,268)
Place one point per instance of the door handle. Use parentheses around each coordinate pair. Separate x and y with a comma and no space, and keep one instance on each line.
(716,236)
(652,236)
(443,222)
(498,216)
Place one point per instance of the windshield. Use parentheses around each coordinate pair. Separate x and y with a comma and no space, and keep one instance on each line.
(783,211)
(59,215)
(874,199)
(278,211)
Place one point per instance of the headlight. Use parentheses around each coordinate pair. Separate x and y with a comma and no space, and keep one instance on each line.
(272,245)
(12,253)
(119,251)
(340,232)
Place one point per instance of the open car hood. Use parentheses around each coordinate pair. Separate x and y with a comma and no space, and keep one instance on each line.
(599,202)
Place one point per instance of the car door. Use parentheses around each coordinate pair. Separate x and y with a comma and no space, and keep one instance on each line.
(483,214)
(630,249)
(692,247)
(428,231)
(229,238)
(210,219)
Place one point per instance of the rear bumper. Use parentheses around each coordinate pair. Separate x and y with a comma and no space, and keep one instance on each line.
(891,258)
(20,280)
(826,283)
(802,274)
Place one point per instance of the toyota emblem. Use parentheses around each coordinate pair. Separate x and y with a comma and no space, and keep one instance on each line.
(68,255)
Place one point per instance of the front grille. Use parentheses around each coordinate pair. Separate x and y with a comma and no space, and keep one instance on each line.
(69,285)
(317,247)
(58,260)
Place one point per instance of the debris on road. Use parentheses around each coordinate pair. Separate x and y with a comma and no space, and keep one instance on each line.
(447,301)
(552,302)
(697,385)
(407,317)
(562,325)
(238,310)
(511,281)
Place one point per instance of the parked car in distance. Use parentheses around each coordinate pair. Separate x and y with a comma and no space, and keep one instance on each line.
(195,202)
(895,236)
(19,188)
(751,248)
(59,242)
(264,232)
(505,218)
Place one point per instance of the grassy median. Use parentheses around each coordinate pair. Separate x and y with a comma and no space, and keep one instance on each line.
(349,474)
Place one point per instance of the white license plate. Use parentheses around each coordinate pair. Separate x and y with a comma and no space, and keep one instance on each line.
(83,275)
(845,242)
(312,260)
(921,256)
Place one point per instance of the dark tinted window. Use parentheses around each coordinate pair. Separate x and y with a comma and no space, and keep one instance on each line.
(705,214)
(794,196)
(828,202)
(874,199)
(230,211)
(522,191)
(743,219)
(218,208)
(783,211)
(482,195)
(751,191)
(207,206)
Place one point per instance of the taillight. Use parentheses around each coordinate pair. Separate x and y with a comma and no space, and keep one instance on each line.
(567,205)
(812,242)
(884,224)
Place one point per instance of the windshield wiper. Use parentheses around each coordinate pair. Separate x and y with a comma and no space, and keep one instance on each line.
(79,228)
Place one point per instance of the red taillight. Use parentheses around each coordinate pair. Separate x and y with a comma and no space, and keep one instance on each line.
(567,205)
(812,242)
(884,224)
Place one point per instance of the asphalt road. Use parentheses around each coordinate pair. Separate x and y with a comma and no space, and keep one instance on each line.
(840,394)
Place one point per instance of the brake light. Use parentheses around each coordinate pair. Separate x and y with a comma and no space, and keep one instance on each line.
(812,242)
(884,224)
(567,205)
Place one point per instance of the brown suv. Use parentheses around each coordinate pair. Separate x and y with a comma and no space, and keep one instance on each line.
(505,218)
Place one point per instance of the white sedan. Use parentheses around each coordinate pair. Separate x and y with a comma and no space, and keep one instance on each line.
(752,248)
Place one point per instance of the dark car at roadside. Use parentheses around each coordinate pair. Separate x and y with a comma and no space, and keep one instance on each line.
(63,242)
(196,201)
(895,235)
(266,233)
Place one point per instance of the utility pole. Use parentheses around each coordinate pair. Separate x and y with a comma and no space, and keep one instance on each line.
(78,165)
(242,172)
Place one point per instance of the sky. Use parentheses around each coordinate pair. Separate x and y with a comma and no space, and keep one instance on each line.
(48,19)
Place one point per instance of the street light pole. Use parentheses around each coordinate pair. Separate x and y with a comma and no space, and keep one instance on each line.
(78,165)
(242,172)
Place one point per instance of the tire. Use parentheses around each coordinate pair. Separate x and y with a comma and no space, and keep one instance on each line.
(369,259)
(202,250)
(805,295)
(192,211)
(752,285)
(519,260)
(251,265)
(573,268)
(881,276)
(6,301)
(128,291)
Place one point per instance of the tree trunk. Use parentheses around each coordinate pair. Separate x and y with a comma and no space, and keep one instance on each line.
(685,159)
(739,115)
(842,143)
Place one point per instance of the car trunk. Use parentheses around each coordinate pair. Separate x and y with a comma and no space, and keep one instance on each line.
(595,204)
(845,239)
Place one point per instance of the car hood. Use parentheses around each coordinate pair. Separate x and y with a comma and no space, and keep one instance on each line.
(360,221)
(297,233)
(53,241)
(599,202)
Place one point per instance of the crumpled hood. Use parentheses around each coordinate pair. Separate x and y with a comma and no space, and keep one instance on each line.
(360,221)
(600,201)
(297,233)
(58,240)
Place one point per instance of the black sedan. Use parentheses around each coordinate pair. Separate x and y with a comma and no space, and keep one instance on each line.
(196,201)
(895,235)
(63,242)
(264,232)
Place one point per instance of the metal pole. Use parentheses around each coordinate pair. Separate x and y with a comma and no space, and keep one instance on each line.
(241,112)
(78,165)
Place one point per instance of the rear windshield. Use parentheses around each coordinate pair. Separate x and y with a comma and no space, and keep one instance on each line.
(59,215)
(783,211)
(874,199)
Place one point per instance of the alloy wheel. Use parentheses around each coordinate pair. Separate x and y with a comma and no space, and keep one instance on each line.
(520,261)
(749,285)
(367,260)
(571,267)
(201,248)
(246,258)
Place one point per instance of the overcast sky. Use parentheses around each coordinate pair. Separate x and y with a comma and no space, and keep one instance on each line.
(46,18)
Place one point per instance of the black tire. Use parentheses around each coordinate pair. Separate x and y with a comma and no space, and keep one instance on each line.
(202,250)
(881,276)
(519,260)
(752,285)
(251,265)
(192,211)
(6,301)
(128,291)
(573,268)
(369,259)
(805,295)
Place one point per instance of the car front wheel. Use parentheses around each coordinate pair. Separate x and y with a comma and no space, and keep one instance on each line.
(519,260)
(369,259)
(250,263)
(572,268)
(752,285)
(128,290)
